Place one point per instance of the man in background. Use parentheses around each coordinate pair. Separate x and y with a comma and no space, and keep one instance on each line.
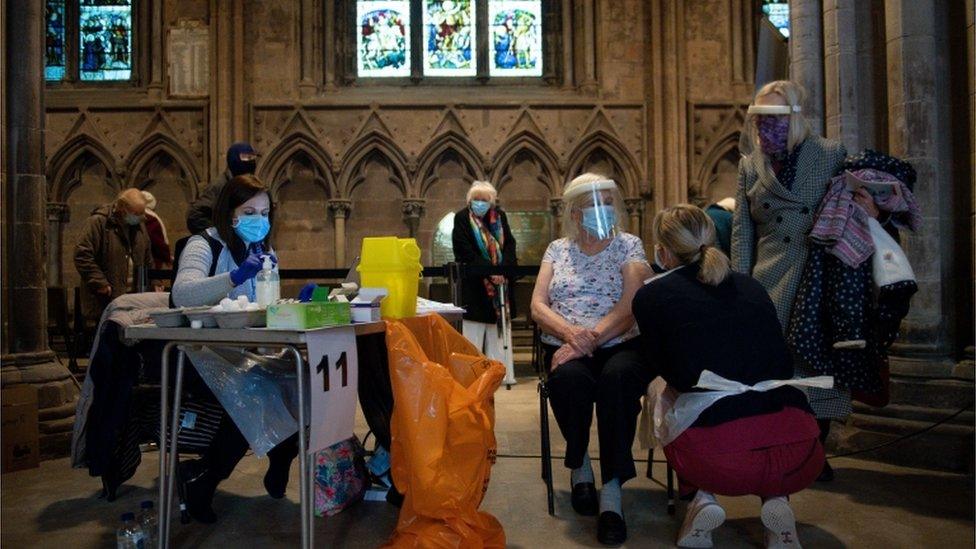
(113,243)
(241,159)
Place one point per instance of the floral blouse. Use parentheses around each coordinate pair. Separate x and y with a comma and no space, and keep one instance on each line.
(584,288)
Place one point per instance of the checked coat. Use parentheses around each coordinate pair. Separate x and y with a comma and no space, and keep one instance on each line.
(771,223)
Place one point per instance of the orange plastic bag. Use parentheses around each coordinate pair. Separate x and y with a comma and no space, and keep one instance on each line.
(443,437)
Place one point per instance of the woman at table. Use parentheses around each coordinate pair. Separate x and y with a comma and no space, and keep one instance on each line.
(582,303)
(220,262)
(699,317)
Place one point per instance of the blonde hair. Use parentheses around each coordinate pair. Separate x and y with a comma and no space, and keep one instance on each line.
(150,200)
(570,227)
(689,234)
(484,186)
(794,94)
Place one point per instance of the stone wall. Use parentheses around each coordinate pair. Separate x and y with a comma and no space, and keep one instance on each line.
(397,158)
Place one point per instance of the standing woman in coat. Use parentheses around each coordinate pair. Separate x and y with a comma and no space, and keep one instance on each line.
(783,176)
(482,237)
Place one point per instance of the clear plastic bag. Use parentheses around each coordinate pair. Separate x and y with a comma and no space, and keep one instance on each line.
(258,393)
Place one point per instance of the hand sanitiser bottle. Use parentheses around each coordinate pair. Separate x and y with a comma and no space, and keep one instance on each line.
(268,284)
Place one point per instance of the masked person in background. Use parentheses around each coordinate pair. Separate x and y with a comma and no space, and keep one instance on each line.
(581,301)
(113,244)
(241,160)
(784,174)
(162,258)
(482,236)
(220,262)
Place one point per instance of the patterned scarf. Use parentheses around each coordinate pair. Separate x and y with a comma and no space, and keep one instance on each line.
(490,237)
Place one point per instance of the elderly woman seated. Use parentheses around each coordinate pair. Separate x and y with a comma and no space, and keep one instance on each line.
(735,426)
(582,302)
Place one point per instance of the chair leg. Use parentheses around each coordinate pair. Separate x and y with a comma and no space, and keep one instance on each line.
(671,496)
(546,449)
(650,463)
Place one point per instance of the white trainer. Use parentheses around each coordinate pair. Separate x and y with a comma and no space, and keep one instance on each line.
(700,520)
(780,523)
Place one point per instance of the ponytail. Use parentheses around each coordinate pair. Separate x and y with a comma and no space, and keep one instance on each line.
(714,266)
(689,234)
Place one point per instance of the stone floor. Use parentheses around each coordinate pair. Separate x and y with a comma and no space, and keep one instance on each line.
(869,505)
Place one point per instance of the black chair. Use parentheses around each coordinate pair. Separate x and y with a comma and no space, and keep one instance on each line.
(538,360)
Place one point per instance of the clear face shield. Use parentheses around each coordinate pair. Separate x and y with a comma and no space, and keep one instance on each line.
(596,202)
(767,126)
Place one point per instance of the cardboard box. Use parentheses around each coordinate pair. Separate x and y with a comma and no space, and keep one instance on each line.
(305,316)
(18,435)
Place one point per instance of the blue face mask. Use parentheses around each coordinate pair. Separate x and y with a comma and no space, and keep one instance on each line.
(252,228)
(480,207)
(599,221)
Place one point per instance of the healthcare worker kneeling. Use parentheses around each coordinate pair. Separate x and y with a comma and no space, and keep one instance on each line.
(220,262)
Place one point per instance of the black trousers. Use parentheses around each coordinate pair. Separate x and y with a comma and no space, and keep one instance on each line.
(614,379)
(229,446)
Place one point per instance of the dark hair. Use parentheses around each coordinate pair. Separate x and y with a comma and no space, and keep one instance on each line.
(237,191)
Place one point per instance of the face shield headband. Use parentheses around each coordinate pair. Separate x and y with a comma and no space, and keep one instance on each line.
(599,219)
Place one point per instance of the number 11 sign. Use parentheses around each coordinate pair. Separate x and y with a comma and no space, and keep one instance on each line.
(334,368)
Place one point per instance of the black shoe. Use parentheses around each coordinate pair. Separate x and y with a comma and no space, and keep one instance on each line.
(394,497)
(276,479)
(198,491)
(826,474)
(584,499)
(611,528)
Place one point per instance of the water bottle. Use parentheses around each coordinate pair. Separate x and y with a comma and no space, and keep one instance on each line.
(149,524)
(129,535)
(268,284)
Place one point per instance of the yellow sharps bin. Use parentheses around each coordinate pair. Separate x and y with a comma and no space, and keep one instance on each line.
(392,263)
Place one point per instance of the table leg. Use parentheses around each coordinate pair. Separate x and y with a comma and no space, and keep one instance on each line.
(303,462)
(174,436)
(163,418)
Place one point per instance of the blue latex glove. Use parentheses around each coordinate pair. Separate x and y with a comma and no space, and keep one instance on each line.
(305,294)
(247,270)
(260,251)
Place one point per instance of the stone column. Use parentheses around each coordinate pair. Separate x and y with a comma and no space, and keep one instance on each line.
(340,208)
(806,57)
(556,209)
(57,215)
(413,210)
(841,74)
(919,132)
(306,86)
(635,209)
(30,361)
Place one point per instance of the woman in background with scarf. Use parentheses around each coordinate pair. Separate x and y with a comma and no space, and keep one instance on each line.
(482,237)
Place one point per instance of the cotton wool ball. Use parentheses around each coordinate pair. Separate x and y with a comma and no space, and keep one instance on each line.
(252,307)
(242,300)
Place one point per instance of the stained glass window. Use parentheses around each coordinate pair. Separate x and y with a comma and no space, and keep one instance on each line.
(383,41)
(54,41)
(516,37)
(449,38)
(778,12)
(105,32)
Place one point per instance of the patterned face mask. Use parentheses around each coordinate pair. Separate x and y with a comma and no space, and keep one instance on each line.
(774,131)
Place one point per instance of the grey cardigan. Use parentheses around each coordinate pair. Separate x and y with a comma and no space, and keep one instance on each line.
(771,223)
(193,288)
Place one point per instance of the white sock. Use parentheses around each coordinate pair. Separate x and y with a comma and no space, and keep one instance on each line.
(610,497)
(583,473)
